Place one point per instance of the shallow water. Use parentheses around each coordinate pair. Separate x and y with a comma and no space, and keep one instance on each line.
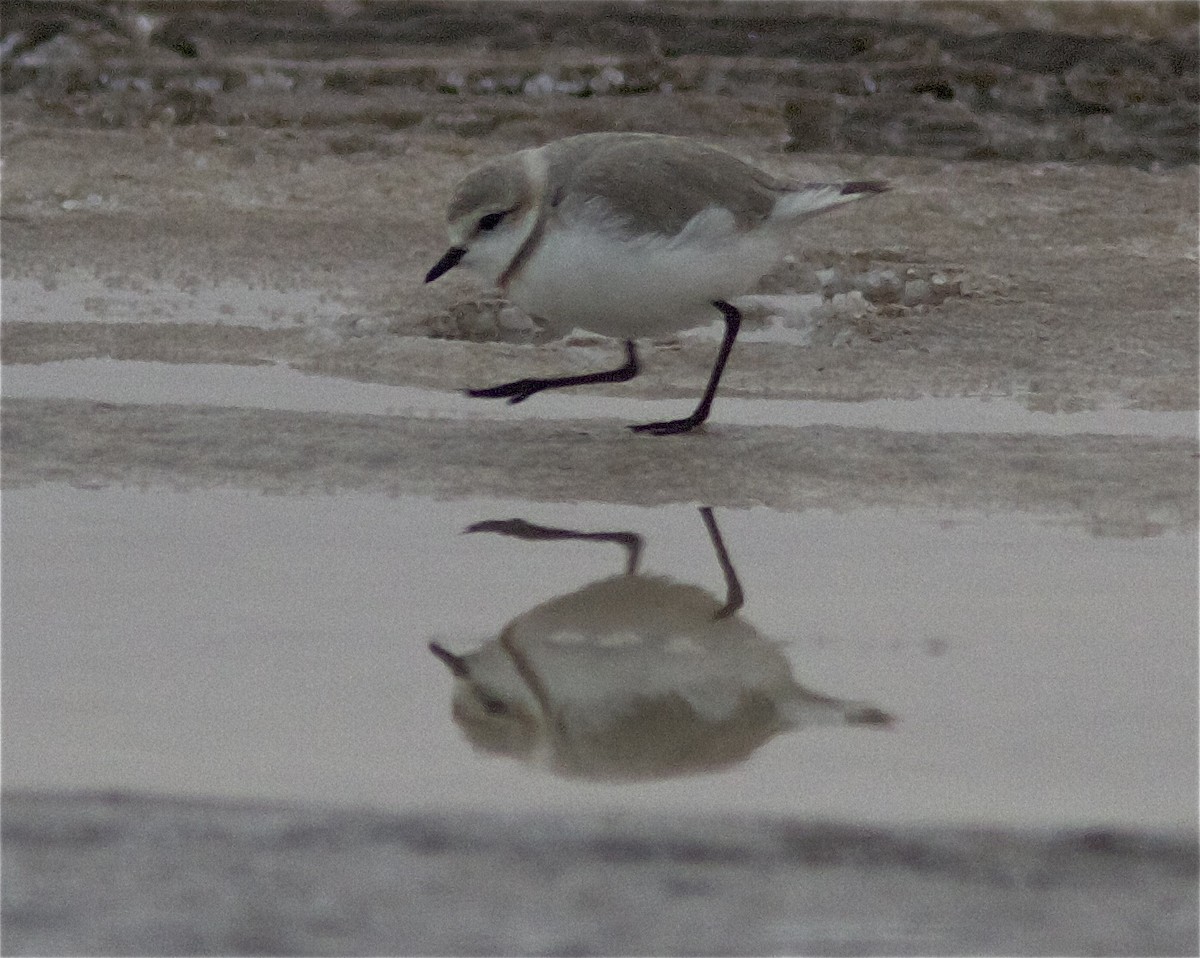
(280,387)
(227,644)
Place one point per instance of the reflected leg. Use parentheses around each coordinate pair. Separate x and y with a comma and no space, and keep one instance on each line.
(734,598)
(631,542)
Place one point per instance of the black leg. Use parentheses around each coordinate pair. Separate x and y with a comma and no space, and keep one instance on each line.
(733,321)
(522,389)
(733,588)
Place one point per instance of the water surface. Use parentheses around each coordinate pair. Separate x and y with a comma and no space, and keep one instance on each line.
(226,644)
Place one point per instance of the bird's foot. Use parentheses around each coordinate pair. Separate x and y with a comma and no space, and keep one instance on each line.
(672,427)
(514,392)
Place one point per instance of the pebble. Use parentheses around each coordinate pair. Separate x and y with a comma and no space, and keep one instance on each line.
(916,292)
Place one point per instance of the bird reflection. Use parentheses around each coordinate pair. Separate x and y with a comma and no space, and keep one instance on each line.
(633,677)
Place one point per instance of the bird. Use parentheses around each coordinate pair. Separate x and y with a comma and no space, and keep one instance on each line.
(635,676)
(627,235)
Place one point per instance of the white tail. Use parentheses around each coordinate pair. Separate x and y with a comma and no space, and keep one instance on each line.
(809,199)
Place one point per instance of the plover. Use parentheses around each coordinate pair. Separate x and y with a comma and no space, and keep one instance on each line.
(627,234)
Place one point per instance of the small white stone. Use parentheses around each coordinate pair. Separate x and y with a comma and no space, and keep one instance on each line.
(916,291)
(608,79)
(882,286)
(539,85)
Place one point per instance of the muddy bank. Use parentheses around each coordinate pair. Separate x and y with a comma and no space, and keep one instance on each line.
(1066,286)
(1029,82)
(1114,485)
(278,880)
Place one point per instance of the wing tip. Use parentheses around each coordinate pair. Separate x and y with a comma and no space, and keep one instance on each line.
(809,199)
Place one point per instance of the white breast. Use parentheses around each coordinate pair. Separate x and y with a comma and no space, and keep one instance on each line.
(587,274)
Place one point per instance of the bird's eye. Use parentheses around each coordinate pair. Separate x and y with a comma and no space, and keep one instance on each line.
(491,221)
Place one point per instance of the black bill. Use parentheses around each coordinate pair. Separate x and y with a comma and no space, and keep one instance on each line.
(456,663)
(446,263)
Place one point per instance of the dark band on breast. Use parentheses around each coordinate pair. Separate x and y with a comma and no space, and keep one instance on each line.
(527,248)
